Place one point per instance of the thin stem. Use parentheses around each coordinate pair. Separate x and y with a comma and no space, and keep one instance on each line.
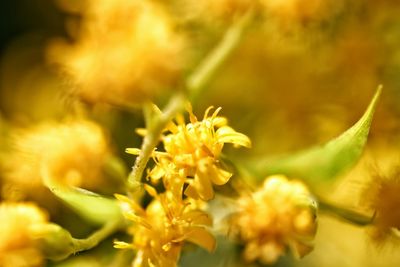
(152,138)
(96,237)
(195,83)
(207,69)
(346,214)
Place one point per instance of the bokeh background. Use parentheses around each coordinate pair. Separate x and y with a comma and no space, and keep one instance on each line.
(298,78)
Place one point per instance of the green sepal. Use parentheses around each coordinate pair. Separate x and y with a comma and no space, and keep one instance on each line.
(55,242)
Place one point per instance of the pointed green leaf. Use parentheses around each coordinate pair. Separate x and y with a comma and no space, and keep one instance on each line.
(323,163)
(90,206)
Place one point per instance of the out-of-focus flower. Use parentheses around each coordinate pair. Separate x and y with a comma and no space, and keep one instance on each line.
(301,10)
(17,246)
(222,8)
(160,231)
(72,153)
(277,216)
(192,153)
(125,50)
(382,196)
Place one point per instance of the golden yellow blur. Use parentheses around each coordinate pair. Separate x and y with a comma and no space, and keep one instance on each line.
(124,51)
(289,74)
(73,153)
(17,246)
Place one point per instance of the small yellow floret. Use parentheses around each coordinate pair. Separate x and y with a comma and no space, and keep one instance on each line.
(160,231)
(277,216)
(17,246)
(73,153)
(192,153)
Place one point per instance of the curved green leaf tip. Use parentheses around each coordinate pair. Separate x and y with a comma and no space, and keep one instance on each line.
(92,207)
(327,161)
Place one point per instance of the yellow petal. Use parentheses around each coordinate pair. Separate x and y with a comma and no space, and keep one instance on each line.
(151,190)
(226,134)
(219,121)
(219,176)
(157,173)
(201,237)
(132,204)
(191,192)
(203,186)
(137,219)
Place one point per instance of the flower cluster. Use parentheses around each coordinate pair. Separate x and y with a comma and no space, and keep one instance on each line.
(192,154)
(17,246)
(73,153)
(190,162)
(277,216)
(161,229)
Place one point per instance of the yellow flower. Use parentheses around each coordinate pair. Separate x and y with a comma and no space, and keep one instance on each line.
(277,216)
(299,10)
(192,153)
(161,229)
(125,51)
(382,196)
(73,153)
(17,245)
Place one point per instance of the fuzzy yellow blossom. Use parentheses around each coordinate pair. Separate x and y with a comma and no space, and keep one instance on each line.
(72,153)
(192,153)
(221,8)
(160,231)
(382,196)
(17,244)
(275,217)
(124,51)
(301,10)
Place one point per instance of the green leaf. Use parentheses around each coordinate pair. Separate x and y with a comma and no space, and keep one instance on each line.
(324,162)
(90,206)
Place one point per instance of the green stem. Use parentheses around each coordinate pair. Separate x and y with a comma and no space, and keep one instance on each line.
(122,258)
(96,237)
(346,214)
(195,83)
(152,138)
(207,69)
